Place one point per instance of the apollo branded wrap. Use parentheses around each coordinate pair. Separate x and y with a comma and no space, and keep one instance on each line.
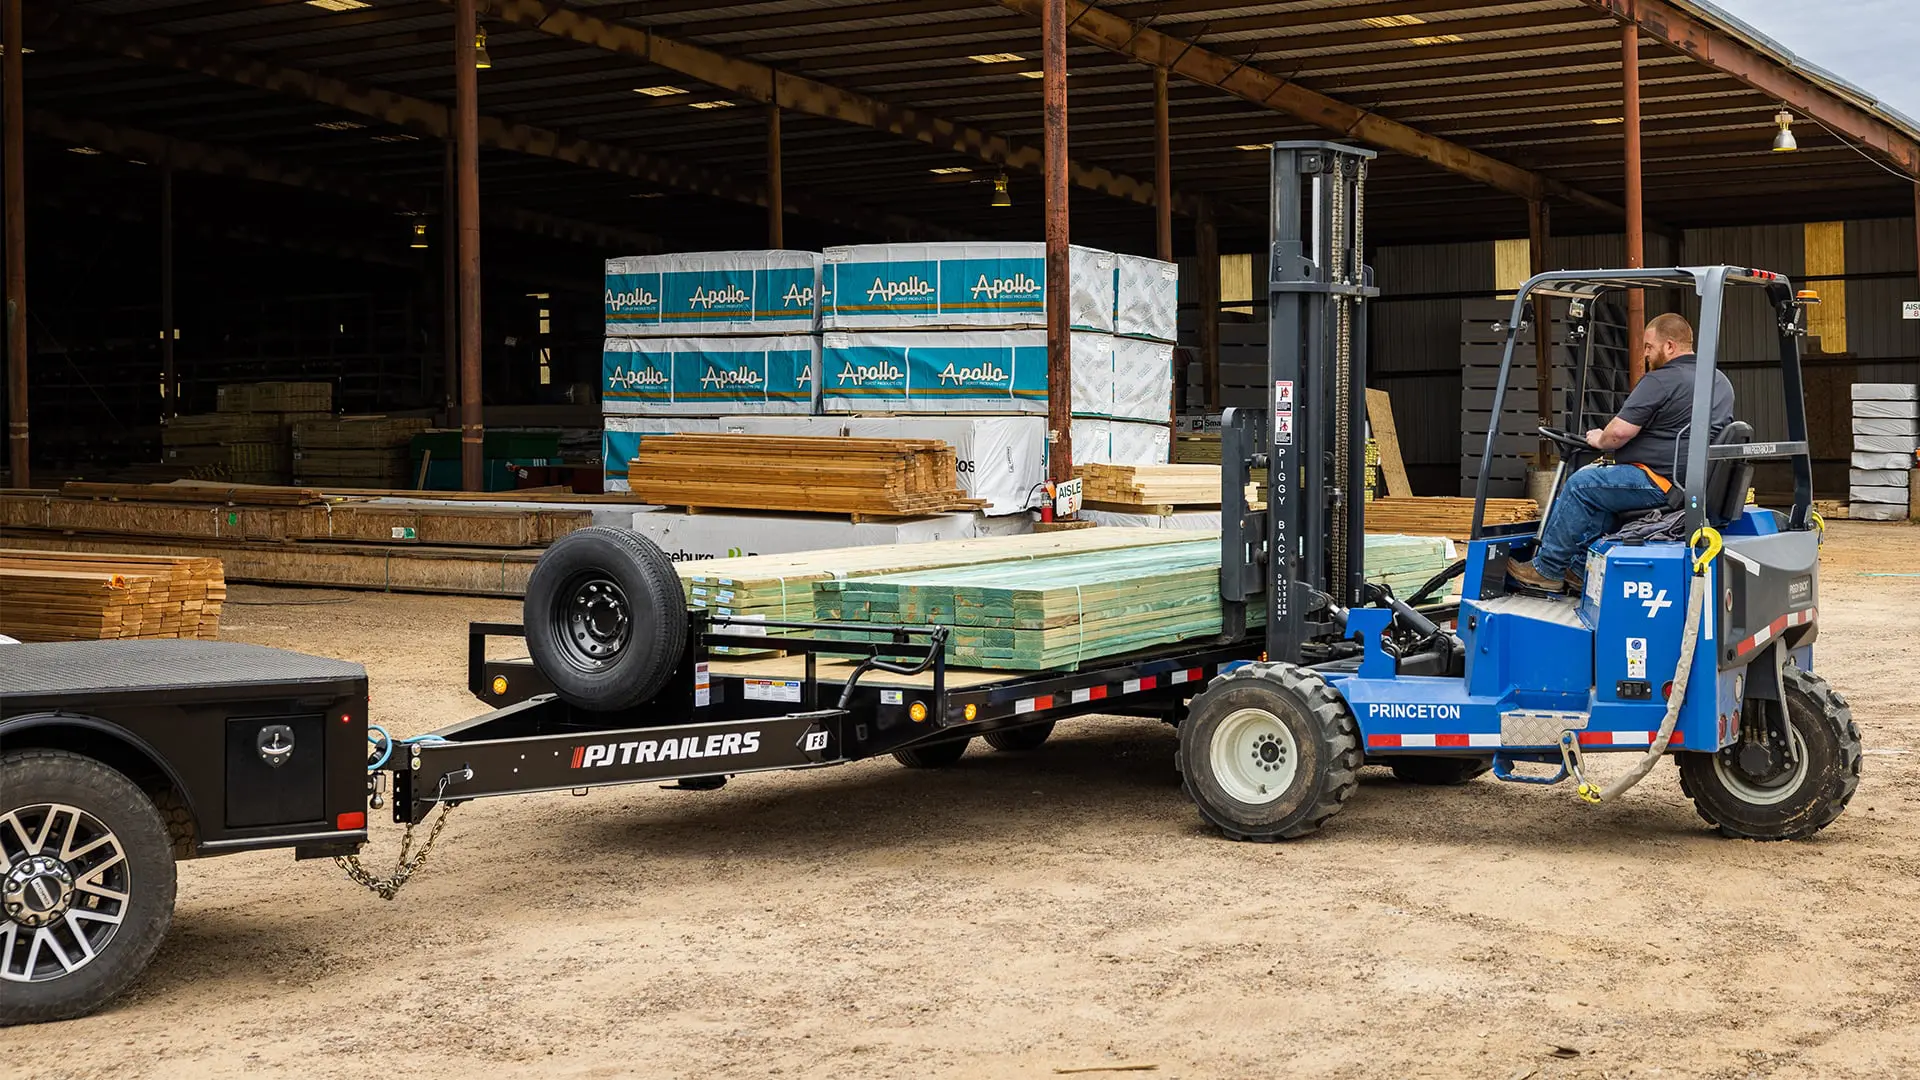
(701,294)
(710,376)
(959,286)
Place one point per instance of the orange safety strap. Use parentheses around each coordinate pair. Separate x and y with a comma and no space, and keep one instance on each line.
(1665,485)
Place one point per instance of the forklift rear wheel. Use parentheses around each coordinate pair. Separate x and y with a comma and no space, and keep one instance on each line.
(88,887)
(1020,738)
(938,755)
(1753,792)
(1438,771)
(1268,753)
(605,619)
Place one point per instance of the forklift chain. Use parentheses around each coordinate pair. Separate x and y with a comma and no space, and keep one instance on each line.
(389,887)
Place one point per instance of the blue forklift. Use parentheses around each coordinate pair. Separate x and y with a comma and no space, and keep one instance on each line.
(1699,647)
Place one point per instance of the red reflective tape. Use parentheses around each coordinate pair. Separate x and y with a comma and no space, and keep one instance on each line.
(1450,740)
(1596,738)
(1148,682)
(578,753)
(1383,740)
(1097,693)
(1043,702)
(1196,674)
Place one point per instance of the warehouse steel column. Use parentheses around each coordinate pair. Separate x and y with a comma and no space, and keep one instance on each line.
(1162,169)
(466,131)
(1636,232)
(1207,253)
(450,281)
(12,80)
(776,208)
(169,383)
(1538,233)
(1053,95)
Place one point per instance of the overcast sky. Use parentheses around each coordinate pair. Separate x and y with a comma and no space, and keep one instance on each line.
(1873,44)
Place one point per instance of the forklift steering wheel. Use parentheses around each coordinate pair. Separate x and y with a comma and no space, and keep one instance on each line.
(1567,440)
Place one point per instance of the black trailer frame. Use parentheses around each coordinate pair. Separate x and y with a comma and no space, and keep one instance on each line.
(719,718)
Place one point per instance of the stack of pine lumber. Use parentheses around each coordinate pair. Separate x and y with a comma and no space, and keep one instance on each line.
(1404,563)
(801,473)
(355,451)
(1419,515)
(274,397)
(780,587)
(250,448)
(1050,613)
(1134,486)
(48,596)
(191,512)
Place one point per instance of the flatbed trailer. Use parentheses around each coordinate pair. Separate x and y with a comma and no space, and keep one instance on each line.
(827,701)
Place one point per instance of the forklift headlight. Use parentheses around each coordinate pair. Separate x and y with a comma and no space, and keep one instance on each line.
(918,711)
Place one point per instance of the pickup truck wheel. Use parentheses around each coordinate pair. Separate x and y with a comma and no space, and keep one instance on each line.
(88,887)
(1020,738)
(939,755)
(1269,752)
(606,621)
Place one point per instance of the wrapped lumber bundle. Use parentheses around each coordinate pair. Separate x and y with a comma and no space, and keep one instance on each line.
(780,587)
(60,596)
(1050,613)
(245,447)
(799,473)
(355,451)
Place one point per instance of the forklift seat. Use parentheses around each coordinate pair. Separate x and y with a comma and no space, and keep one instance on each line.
(1729,478)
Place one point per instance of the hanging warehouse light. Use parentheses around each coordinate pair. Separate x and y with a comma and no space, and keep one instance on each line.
(1000,195)
(1784,141)
(481,60)
(419,235)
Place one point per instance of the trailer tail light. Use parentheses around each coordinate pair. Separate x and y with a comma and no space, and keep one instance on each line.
(918,711)
(970,711)
(353,819)
(1666,691)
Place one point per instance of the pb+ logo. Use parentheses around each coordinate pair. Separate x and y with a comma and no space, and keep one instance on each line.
(1643,592)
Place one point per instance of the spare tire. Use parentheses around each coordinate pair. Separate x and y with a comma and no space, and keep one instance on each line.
(605,619)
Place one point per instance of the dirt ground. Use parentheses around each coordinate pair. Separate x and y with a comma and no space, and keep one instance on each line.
(1021,914)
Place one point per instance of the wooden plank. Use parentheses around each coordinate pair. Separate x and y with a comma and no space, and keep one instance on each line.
(800,473)
(456,526)
(1447,516)
(1387,437)
(59,597)
(382,568)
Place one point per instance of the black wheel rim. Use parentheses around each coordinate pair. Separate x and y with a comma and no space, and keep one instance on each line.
(65,890)
(592,622)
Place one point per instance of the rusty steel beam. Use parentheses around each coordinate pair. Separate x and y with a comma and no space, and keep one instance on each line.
(1636,226)
(1053,111)
(796,93)
(13,191)
(169,384)
(449,281)
(776,181)
(423,117)
(219,160)
(1723,50)
(1200,65)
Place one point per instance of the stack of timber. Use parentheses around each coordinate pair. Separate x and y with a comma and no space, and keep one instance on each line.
(1447,516)
(247,448)
(1154,489)
(355,451)
(61,597)
(1047,614)
(1405,563)
(864,478)
(780,587)
(275,397)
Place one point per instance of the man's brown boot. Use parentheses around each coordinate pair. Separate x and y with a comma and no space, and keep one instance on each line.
(1525,574)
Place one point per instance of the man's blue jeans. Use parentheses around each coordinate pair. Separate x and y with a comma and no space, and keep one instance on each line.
(1585,510)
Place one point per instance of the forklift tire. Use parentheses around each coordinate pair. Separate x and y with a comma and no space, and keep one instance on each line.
(1020,738)
(1438,771)
(1269,752)
(85,903)
(1793,803)
(938,755)
(606,621)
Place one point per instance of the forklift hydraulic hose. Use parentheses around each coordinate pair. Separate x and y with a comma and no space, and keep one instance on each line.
(1689,638)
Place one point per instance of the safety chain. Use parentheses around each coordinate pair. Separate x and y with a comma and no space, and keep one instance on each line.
(388,887)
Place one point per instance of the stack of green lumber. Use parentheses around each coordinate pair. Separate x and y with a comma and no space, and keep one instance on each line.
(780,587)
(1404,563)
(1047,614)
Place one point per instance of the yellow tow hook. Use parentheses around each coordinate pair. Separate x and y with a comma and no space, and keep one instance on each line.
(1714,546)
(1570,760)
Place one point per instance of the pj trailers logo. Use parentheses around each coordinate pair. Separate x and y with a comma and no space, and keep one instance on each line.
(689,748)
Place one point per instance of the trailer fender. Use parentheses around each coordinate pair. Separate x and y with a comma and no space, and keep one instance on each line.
(119,749)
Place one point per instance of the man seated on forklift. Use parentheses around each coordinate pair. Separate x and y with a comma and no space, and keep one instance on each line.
(1647,442)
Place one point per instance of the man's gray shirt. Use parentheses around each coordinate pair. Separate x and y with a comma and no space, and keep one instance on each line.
(1662,407)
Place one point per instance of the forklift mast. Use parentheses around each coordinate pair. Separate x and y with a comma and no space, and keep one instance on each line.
(1306,549)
